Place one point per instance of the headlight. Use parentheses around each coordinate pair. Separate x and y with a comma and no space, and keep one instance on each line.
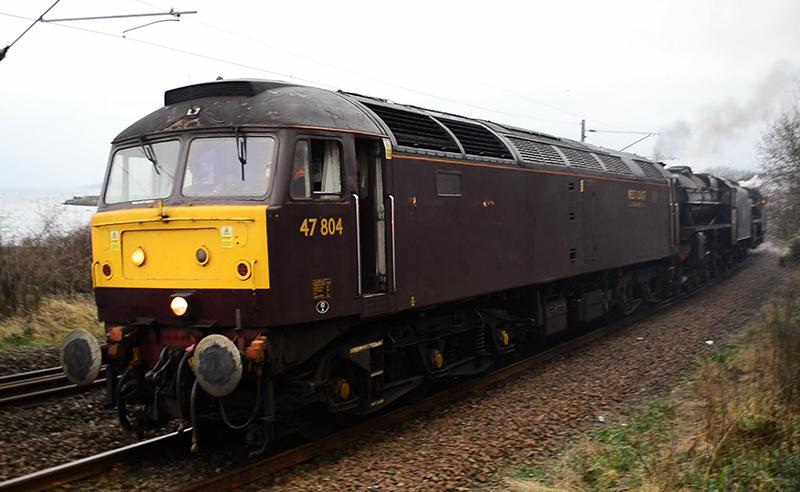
(137,257)
(179,305)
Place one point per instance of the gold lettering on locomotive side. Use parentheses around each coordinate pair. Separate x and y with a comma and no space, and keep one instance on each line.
(324,226)
(637,198)
(321,288)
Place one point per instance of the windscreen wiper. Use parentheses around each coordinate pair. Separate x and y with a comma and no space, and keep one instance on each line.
(241,149)
(148,152)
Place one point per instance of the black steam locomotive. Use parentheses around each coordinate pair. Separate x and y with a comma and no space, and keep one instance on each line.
(264,251)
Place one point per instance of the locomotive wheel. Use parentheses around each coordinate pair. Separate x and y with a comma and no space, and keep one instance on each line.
(126,419)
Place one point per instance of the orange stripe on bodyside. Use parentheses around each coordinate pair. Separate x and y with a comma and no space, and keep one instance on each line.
(525,169)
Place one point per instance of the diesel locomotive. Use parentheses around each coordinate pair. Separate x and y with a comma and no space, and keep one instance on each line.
(264,252)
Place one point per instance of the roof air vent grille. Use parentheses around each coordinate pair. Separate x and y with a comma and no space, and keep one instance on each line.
(415,130)
(476,139)
(649,169)
(535,152)
(614,164)
(580,158)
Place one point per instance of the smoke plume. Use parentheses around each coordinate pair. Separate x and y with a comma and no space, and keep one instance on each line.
(724,121)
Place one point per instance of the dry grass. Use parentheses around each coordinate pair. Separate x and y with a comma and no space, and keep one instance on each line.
(53,318)
(51,263)
(736,426)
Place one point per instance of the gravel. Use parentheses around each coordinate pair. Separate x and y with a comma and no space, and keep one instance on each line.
(469,444)
(22,359)
(56,431)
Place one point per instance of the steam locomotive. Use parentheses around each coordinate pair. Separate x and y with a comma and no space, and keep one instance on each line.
(264,252)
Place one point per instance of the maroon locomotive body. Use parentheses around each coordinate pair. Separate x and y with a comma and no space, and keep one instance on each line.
(266,251)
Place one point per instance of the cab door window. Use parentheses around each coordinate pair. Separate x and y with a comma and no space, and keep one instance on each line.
(317,169)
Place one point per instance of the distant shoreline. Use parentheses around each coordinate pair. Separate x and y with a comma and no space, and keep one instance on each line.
(83,200)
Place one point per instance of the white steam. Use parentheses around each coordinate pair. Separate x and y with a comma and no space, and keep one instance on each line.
(724,121)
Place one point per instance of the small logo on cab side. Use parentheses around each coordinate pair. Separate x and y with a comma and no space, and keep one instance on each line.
(323,307)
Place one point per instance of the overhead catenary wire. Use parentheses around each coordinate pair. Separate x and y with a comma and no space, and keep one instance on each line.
(375,79)
(636,142)
(170,48)
(171,12)
(398,86)
(4,51)
(302,79)
(273,72)
(632,132)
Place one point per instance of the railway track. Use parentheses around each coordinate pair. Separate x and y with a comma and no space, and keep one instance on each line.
(270,465)
(60,475)
(94,465)
(33,386)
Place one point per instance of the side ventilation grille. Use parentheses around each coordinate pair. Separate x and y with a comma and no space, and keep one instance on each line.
(414,129)
(476,139)
(614,164)
(649,169)
(579,158)
(535,152)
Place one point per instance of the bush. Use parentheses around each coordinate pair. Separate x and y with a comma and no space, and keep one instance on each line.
(53,263)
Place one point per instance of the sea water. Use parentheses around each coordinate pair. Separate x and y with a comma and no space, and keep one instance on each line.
(25,213)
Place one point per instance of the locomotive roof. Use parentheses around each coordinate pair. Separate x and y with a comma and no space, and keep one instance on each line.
(247,102)
(232,103)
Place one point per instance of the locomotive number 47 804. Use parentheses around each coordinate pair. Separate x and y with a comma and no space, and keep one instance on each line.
(328,226)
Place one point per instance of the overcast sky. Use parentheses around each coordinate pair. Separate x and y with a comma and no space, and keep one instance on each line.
(707,75)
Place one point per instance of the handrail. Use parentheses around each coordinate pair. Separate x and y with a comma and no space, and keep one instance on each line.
(358,242)
(176,219)
(394,264)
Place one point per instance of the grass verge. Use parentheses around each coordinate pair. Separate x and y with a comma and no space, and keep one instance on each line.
(52,263)
(735,425)
(50,321)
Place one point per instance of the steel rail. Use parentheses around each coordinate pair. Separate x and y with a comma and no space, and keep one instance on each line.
(93,465)
(30,374)
(271,465)
(33,386)
(59,475)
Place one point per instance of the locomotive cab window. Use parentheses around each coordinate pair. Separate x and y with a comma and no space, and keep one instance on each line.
(229,166)
(145,172)
(317,170)
(448,183)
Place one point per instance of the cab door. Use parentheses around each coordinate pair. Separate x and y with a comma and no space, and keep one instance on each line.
(374,209)
(313,233)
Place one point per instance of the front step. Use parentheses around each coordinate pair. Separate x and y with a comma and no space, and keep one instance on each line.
(369,357)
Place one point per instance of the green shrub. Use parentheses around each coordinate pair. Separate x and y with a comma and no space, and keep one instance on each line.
(54,263)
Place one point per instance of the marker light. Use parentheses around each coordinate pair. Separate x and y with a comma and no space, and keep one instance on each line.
(179,305)
(106,270)
(137,257)
(201,255)
(243,270)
